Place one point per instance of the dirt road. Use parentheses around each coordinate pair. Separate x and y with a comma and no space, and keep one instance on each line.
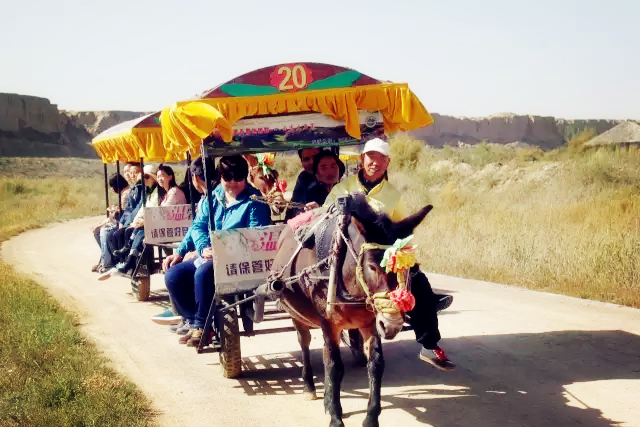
(525,358)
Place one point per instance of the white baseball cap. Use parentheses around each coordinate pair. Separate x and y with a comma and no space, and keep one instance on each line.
(150,170)
(378,145)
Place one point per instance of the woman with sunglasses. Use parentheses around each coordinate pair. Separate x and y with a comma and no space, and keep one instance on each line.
(191,283)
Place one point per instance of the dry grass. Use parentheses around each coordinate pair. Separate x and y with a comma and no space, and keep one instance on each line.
(49,374)
(288,167)
(41,167)
(567,221)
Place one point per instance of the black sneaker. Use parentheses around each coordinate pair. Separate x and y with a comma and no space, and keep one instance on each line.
(437,358)
(122,253)
(444,303)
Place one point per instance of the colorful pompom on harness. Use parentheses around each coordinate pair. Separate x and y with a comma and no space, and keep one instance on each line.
(398,258)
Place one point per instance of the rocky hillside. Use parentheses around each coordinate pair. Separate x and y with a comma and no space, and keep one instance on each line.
(545,132)
(32,126)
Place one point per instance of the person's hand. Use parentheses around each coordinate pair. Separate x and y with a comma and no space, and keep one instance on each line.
(207,253)
(137,223)
(311,205)
(189,256)
(170,261)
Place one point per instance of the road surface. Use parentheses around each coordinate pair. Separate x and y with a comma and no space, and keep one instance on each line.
(524,358)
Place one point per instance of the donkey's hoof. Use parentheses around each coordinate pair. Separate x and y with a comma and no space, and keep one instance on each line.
(309,395)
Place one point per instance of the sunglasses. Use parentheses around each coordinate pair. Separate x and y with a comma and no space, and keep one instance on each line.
(231,176)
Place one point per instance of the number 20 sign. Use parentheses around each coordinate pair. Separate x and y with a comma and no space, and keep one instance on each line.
(291,77)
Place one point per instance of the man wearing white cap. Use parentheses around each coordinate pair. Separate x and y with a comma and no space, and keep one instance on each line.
(372,180)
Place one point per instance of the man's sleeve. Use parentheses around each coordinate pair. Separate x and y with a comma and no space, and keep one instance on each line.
(139,215)
(186,245)
(129,206)
(259,215)
(200,228)
(133,213)
(125,210)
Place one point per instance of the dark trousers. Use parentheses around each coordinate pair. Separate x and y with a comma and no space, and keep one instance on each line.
(120,238)
(116,239)
(423,317)
(191,289)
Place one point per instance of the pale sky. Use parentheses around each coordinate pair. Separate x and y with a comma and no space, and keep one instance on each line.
(563,58)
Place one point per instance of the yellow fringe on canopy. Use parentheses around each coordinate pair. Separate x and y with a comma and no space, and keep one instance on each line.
(186,123)
(132,144)
(185,126)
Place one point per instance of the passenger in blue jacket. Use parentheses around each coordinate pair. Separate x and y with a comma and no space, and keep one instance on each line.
(190,282)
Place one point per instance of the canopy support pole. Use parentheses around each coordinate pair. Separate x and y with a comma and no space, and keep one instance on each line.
(118,185)
(106,189)
(212,317)
(190,179)
(207,178)
(144,187)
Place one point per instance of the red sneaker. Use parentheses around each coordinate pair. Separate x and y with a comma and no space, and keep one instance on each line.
(437,358)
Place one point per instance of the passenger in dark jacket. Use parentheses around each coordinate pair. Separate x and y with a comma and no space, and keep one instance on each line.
(328,170)
(305,179)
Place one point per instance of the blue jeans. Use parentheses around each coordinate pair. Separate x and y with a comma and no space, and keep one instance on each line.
(137,237)
(96,234)
(105,255)
(191,290)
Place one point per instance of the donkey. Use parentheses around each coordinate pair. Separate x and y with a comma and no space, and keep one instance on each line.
(357,236)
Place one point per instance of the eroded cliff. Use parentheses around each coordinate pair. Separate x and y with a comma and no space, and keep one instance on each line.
(33,126)
(546,132)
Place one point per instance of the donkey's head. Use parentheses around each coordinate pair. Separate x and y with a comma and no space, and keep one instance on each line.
(375,231)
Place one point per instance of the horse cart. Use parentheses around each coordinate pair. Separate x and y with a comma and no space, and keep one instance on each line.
(274,109)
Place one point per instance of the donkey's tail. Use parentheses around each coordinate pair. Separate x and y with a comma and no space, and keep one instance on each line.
(352,339)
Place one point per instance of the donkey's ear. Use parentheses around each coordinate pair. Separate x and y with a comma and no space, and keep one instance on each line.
(404,228)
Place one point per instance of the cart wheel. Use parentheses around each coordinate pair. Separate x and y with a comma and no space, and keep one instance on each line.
(141,287)
(230,353)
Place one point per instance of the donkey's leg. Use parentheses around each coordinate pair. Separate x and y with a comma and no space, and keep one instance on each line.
(304,338)
(333,374)
(375,369)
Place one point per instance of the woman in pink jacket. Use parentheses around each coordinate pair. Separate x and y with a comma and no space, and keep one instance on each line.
(169,193)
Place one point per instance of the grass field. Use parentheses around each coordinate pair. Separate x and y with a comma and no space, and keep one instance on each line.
(565,221)
(49,374)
